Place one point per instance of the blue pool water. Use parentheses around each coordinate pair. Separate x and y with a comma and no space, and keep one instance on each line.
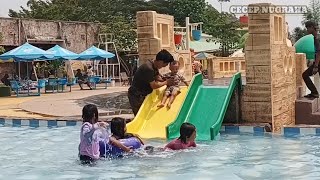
(43,153)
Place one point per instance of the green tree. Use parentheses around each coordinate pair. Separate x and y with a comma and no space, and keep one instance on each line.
(117,15)
(180,9)
(242,41)
(124,34)
(313,12)
(223,27)
(297,33)
(160,6)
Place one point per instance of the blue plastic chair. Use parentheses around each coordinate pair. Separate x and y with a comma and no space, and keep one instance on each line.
(92,80)
(41,84)
(62,82)
(97,80)
(15,86)
(106,82)
(53,83)
(72,83)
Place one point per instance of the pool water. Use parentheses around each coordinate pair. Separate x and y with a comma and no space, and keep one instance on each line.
(43,153)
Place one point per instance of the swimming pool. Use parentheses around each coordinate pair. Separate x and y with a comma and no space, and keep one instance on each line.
(51,153)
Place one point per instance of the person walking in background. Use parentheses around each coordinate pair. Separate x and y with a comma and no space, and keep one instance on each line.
(312,28)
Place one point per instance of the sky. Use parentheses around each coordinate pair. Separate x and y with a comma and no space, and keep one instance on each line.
(293,20)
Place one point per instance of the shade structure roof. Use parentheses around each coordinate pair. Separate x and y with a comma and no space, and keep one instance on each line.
(62,53)
(203,55)
(26,52)
(94,53)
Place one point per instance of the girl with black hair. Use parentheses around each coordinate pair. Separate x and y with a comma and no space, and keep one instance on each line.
(89,139)
(186,139)
(119,130)
(89,149)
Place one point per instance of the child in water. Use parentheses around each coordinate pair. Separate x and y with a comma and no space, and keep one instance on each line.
(174,90)
(186,139)
(90,135)
(119,130)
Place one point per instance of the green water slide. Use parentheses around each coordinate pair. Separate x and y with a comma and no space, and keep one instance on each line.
(205,107)
(306,45)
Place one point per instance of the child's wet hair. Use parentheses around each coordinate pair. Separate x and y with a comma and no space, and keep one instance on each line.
(117,126)
(186,131)
(90,113)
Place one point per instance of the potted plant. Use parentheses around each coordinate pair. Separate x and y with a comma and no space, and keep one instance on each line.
(41,70)
(56,69)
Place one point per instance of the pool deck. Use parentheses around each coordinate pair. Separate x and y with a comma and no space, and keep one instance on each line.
(57,106)
(64,106)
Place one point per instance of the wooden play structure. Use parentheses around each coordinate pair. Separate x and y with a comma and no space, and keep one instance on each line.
(273,72)
(157,31)
(274,87)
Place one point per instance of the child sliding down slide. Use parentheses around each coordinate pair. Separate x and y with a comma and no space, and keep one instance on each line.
(174,90)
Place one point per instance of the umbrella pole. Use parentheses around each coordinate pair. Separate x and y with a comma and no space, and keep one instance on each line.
(19,69)
(34,71)
(67,66)
(28,85)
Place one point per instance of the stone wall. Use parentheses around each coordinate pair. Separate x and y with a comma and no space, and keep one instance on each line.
(301,66)
(270,91)
(6,68)
(78,35)
(75,36)
(156,32)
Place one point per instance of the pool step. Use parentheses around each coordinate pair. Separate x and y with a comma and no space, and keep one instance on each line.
(307,111)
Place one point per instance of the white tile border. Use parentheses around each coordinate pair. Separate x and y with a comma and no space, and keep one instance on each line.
(8,122)
(79,123)
(43,123)
(307,131)
(25,122)
(61,123)
(242,129)
(246,129)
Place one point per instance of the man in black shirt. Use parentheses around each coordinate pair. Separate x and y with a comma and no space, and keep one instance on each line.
(147,78)
(312,28)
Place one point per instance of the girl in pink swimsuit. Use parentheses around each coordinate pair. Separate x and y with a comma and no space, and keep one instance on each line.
(92,132)
(186,139)
(89,136)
